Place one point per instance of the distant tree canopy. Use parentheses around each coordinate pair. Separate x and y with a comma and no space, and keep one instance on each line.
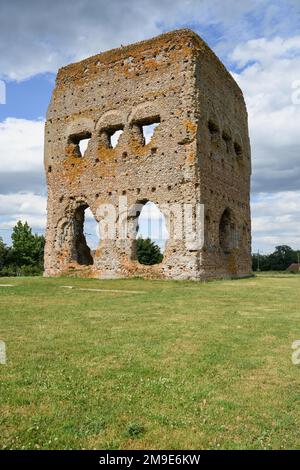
(25,256)
(3,253)
(148,252)
(279,260)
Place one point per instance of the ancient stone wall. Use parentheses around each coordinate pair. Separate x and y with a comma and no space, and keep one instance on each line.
(199,155)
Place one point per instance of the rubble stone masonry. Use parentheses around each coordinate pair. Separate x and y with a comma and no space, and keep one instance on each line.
(199,154)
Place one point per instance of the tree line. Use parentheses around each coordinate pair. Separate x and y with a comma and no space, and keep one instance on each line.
(26,254)
(279,260)
(25,257)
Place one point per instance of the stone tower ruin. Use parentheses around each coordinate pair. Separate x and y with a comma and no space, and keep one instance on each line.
(199,154)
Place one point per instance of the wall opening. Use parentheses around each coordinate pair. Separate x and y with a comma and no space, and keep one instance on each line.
(227,140)
(91,231)
(151,234)
(148,131)
(80,142)
(82,252)
(238,150)
(213,130)
(207,231)
(146,128)
(111,135)
(227,232)
(114,137)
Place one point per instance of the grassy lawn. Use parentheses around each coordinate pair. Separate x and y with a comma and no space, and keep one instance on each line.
(169,365)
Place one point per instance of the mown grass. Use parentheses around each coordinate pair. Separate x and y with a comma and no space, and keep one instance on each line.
(172,365)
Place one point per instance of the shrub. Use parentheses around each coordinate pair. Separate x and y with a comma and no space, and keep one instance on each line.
(148,252)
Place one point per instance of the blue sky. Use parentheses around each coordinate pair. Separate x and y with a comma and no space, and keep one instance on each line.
(28,99)
(258,40)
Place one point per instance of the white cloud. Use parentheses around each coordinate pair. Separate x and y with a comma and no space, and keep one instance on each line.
(22,203)
(27,207)
(276,220)
(21,144)
(45,35)
(263,50)
(21,162)
(21,172)
(272,67)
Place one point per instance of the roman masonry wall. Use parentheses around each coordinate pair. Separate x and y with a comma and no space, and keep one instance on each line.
(196,167)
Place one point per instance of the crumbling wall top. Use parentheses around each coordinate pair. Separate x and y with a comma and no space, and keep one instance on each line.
(177,42)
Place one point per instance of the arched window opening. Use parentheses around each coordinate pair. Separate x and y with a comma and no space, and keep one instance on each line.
(114,137)
(213,130)
(145,128)
(207,231)
(84,236)
(110,136)
(245,233)
(227,232)
(152,234)
(148,131)
(227,140)
(80,142)
(238,150)
(91,231)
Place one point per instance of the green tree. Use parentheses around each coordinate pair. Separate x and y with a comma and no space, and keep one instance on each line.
(3,253)
(262,261)
(148,252)
(27,248)
(279,260)
(282,257)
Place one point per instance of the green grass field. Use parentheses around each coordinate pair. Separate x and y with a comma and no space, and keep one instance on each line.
(150,364)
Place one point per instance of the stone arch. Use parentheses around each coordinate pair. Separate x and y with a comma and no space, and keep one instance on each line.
(110,123)
(208,230)
(213,126)
(70,237)
(238,150)
(244,235)
(80,124)
(112,117)
(214,136)
(144,111)
(81,129)
(228,238)
(81,252)
(144,121)
(63,234)
(133,221)
(227,143)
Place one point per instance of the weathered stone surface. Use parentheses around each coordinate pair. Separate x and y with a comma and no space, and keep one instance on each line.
(199,153)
